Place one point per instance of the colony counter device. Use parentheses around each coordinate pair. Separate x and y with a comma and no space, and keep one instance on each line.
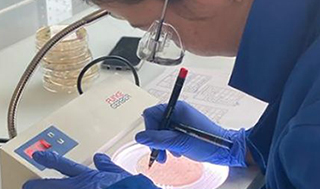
(92,122)
(100,120)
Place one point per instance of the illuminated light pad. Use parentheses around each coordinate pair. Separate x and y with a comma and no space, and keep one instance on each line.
(175,172)
(50,139)
(203,175)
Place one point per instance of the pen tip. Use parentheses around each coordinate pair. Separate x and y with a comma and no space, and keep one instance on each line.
(150,163)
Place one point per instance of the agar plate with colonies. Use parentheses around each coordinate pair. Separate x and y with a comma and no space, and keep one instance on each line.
(176,173)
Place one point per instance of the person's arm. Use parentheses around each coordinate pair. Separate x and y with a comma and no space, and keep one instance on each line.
(300,155)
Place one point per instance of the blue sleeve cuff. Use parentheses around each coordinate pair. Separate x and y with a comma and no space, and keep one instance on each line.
(134,182)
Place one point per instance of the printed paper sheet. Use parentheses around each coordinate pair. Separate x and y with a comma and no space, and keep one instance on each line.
(208,91)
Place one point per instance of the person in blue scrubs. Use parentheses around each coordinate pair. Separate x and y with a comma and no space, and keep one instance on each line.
(277,44)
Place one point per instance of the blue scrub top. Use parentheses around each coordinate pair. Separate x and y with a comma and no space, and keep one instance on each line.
(279,63)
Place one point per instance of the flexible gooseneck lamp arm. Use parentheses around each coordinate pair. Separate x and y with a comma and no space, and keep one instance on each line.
(35,62)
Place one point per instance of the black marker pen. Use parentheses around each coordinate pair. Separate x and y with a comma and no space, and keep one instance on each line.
(169,109)
(207,137)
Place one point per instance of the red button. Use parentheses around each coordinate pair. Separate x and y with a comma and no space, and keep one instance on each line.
(45,144)
(29,152)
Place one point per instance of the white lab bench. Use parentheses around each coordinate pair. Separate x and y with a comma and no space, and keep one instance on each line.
(37,102)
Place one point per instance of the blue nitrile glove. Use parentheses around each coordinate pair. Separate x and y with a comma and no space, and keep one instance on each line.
(134,182)
(180,144)
(81,177)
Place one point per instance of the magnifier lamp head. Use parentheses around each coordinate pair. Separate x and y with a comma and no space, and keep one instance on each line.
(168,50)
(161,44)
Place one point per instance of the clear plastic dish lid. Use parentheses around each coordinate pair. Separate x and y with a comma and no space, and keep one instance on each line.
(168,50)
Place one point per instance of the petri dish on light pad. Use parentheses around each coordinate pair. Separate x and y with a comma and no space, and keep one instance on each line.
(176,173)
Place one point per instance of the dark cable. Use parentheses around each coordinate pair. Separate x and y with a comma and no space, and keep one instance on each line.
(88,66)
(3,140)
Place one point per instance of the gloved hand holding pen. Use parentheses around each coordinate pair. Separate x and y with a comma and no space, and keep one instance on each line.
(180,144)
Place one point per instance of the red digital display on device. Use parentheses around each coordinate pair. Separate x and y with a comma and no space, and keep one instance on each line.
(41,145)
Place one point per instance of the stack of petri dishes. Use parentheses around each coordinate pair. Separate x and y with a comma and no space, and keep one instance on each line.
(62,64)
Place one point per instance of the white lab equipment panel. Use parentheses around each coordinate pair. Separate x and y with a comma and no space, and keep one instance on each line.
(92,122)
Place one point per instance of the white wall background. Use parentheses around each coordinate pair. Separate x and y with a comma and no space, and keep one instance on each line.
(21,18)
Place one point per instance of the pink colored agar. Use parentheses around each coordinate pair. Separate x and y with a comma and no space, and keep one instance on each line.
(175,172)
